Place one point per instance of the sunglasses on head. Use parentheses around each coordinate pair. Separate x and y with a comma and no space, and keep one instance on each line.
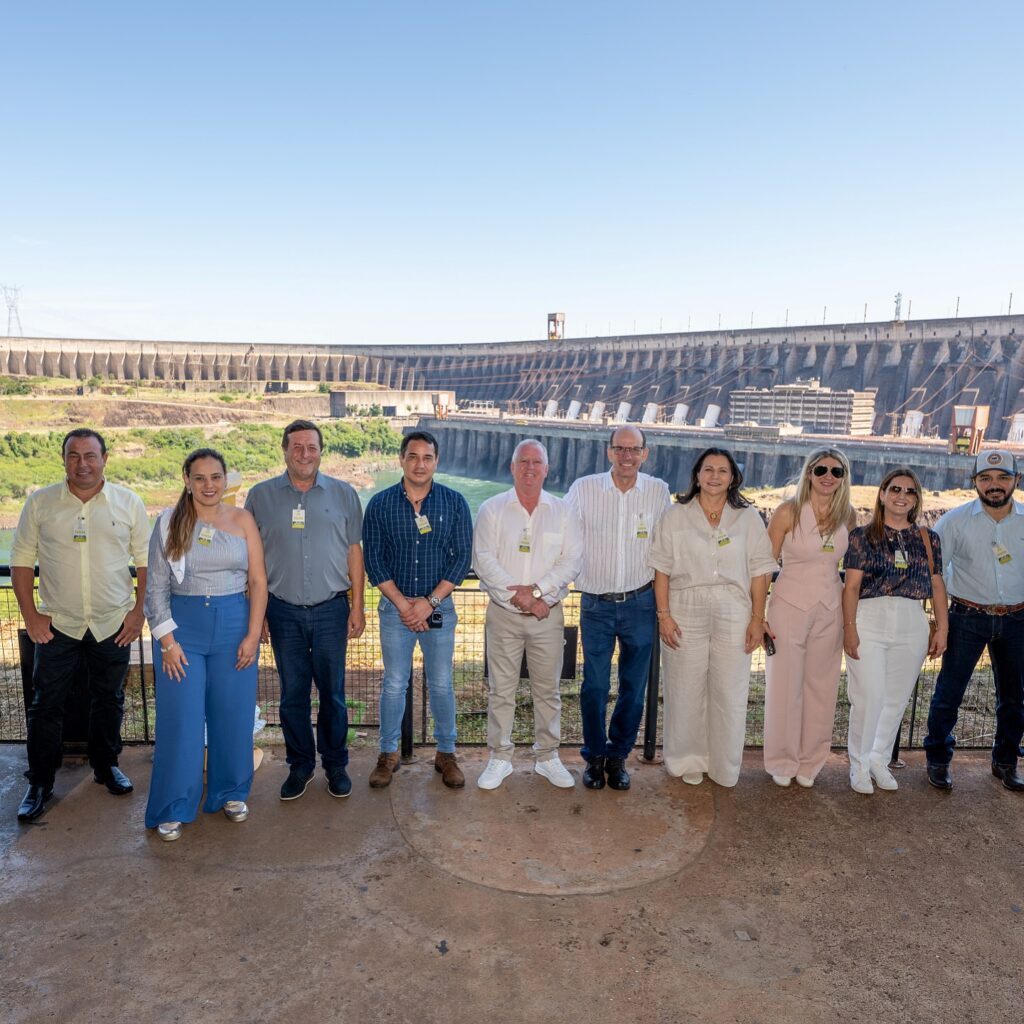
(896,489)
(837,471)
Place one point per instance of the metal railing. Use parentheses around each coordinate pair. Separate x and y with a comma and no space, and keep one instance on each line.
(976,725)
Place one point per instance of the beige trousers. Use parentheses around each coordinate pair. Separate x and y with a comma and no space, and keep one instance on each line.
(705,684)
(509,635)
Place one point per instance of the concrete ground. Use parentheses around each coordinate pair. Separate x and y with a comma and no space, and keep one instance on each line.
(667,904)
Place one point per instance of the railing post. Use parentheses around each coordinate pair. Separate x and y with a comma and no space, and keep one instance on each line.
(651,702)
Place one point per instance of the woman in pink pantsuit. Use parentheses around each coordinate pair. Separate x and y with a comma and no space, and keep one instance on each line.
(810,533)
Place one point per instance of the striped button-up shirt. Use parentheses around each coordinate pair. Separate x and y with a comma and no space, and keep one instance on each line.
(83,550)
(395,548)
(617,530)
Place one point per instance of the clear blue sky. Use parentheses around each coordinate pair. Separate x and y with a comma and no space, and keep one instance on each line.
(411,172)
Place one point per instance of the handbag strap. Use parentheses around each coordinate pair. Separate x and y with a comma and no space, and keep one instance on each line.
(928,550)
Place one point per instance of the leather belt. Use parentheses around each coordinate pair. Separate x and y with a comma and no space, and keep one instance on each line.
(989,609)
(625,595)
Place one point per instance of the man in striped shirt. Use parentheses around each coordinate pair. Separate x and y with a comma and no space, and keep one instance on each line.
(417,541)
(619,510)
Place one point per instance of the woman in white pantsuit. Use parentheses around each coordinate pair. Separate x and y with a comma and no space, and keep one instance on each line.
(713,562)
(885,629)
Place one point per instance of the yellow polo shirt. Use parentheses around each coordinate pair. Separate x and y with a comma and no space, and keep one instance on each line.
(83,549)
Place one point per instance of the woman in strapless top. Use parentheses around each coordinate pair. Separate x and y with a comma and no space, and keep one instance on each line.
(205,601)
(810,533)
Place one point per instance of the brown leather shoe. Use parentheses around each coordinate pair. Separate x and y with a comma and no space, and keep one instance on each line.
(387,765)
(451,773)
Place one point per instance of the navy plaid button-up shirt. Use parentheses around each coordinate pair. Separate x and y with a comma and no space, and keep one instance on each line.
(394,548)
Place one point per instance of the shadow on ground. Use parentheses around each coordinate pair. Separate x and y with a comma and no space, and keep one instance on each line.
(418,904)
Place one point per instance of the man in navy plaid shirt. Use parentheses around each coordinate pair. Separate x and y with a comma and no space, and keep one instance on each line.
(417,541)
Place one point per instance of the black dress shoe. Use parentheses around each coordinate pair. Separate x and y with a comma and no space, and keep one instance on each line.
(593,774)
(115,780)
(1008,773)
(35,800)
(618,777)
(939,777)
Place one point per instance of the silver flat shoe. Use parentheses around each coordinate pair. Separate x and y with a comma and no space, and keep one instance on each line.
(236,810)
(169,831)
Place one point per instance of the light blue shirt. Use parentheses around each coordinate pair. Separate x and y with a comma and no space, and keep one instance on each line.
(970,538)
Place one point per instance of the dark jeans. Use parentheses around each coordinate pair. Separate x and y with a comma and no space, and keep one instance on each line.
(309,647)
(53,675)
(634,625)
(970,632)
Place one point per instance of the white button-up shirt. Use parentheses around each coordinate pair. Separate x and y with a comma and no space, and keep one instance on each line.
(84,583)
(552,533)
(617,530)
(973,544)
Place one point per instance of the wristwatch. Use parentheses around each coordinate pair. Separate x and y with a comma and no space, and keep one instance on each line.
(537,592)
(434,600)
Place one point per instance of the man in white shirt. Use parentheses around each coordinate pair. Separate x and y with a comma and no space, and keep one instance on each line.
(983,561)
(83,533)
(619,510)
(527,549)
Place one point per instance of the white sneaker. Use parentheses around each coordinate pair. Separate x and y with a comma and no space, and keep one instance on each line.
(494,774)
(805,781)
(169,830)
(861,783)
(693,778)
(236,810)
(555,772)
(883,777)
(782,780)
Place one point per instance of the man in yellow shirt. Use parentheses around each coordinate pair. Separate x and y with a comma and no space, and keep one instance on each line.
(82,532)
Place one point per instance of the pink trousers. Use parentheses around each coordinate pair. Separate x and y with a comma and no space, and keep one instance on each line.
(801,684)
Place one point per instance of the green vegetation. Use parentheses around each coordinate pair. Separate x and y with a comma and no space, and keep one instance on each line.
(11,386)
(143,457)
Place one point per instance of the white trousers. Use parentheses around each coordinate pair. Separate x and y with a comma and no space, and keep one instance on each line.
(705,683)
(893,635)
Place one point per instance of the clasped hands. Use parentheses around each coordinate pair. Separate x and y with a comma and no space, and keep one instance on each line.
(523,599)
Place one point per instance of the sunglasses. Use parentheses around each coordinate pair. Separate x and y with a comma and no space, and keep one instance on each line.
(896,489)
(837,471)
(620,449)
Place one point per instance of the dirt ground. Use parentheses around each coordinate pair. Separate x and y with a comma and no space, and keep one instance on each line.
(667,904)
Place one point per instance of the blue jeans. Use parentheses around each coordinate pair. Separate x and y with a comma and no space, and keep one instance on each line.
(397,643)
(213,694)
(309,647)
(970,632)
(634,624)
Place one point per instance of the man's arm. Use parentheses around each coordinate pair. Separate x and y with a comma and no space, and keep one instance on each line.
(36,624)
(357,577)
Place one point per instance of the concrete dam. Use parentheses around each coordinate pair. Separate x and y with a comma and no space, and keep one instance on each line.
(921,365)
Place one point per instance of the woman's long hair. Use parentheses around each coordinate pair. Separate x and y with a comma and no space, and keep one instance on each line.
(876,528)
(733,496)
(183,517)
(840,509)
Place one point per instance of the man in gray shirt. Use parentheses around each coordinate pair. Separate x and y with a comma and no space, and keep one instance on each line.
(311,525)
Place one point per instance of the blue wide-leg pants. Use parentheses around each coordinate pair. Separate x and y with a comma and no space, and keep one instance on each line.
(213,694)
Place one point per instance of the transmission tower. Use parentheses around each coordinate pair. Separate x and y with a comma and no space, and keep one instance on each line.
(11,298)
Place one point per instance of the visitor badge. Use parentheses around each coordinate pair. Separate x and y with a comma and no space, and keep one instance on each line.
(206,535)
(423,524)
(524,543)
(79,536)
(1002,555)
(642,532)
(298,518)
(723,539)
(827,544)
(900,558)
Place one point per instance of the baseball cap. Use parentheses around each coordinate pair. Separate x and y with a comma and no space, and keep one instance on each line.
(995,458)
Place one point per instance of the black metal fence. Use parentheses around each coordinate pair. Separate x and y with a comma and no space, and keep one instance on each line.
(975,729)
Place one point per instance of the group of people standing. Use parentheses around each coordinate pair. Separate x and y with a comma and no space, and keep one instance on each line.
(692,576)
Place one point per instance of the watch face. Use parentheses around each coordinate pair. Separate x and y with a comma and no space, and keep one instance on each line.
(535,592)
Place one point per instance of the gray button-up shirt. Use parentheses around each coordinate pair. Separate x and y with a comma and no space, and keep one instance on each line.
(308,564)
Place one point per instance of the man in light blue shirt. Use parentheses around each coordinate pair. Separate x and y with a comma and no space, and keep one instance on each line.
(983,552)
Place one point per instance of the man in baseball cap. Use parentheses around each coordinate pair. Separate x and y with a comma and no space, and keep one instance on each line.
(983,553)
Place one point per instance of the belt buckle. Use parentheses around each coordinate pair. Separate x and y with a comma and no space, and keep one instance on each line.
(619,597)
(999,609)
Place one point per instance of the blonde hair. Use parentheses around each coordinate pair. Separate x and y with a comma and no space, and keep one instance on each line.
(840,508)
